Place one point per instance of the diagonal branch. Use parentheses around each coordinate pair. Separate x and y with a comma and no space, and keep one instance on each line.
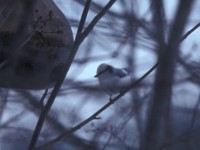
(77,42)
(56,89)
(83,18)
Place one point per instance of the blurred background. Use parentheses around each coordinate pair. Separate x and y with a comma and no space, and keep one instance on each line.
(133,34)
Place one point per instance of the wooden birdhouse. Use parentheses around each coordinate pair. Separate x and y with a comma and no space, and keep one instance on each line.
(33,48)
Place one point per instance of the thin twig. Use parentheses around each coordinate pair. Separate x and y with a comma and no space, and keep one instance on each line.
(189,32)
(83,18)
(43,97)
(97,18)
(94,116)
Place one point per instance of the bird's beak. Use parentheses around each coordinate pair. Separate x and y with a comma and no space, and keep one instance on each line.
(96,75)
(100,73)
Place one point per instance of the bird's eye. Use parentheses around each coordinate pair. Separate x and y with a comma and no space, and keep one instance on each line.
(110,69)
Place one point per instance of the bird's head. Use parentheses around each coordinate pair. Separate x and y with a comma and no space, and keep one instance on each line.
(104,69)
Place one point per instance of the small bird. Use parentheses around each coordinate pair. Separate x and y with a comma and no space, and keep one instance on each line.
(34,43)
(113,80)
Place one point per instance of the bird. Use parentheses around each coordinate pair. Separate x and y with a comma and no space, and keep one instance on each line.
(34,49)
(113,80)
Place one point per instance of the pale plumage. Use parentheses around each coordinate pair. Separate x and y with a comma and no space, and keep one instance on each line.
(111,79)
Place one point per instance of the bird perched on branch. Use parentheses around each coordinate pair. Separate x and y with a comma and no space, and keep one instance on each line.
(35,41)
(113,80)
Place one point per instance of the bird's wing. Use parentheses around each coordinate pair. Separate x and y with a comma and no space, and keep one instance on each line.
(124,82)
(122,72)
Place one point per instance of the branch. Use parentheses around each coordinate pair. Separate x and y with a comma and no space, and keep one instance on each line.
(189,32)
(83,18)
(97,18)
(78,40)
(57,85)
